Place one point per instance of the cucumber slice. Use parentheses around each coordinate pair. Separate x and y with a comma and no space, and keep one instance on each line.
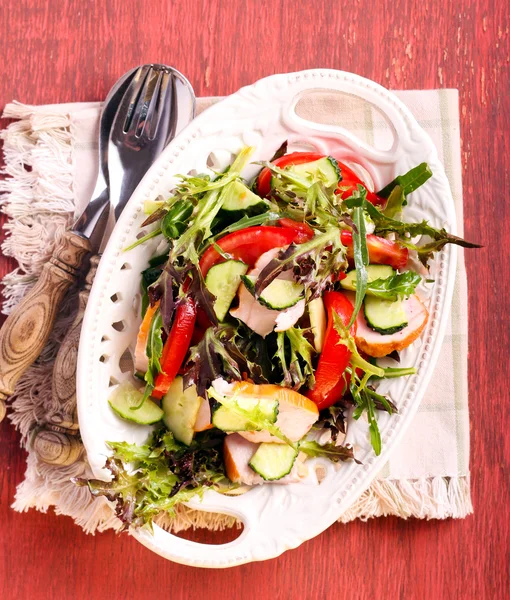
(318,322)
(278,295)
(373,271)
(222,280)
(385,316)
(261,408)
(181,409)
(325,169)
(273,461)
(237,197)
(125,397)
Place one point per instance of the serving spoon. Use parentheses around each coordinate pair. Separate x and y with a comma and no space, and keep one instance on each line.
(151,98)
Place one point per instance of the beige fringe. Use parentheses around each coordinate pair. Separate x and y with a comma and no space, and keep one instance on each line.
(39,199)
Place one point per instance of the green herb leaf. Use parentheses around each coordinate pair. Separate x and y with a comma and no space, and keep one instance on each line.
(289,258)
(375,434)
(356,359)
(161,474)
(393,372)
(396,287)
(361,260)
(175,220)
(396,200)
(409,182)
(300,370)
(384,225)
(154,348)
(329,451)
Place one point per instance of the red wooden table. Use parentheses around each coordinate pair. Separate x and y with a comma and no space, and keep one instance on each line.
(67,50)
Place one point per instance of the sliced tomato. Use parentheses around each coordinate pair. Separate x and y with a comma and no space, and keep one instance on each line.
(303,231)
(176,347)
(247,245)
(294,158)
(349,178)
(348,186)
(329,376)
(380,250)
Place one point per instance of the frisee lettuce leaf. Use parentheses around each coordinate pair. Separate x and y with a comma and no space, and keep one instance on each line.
(156,476)
(291,257)
(299,370)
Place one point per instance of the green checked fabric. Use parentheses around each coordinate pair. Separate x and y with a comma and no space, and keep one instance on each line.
(428,474)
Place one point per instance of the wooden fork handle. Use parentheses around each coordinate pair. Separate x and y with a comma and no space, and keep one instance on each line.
(57,441)
(28,327)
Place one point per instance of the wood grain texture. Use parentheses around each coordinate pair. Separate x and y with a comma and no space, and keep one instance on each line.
(55,442)
(68,50)
(26,330)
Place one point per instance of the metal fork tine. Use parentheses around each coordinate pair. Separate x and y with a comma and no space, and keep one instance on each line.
(154,107)
(126,107)
(142,105)
(165,101)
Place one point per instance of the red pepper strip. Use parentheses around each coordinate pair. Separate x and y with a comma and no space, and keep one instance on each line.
(329,381)
(303,231)
(203,321)
(176,346)
(349,177)
(380,250)
(247,245)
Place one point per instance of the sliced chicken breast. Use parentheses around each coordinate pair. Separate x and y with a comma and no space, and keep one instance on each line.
(259,318)
(237,453)
(377,345)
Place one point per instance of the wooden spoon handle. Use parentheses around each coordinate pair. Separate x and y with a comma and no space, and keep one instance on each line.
(56,442)
(27,328)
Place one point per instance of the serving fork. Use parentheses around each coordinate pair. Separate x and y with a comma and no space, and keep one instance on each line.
(157,104)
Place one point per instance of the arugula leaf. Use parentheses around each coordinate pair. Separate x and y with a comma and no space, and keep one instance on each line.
(329,451)
(361,260)
(143,239)
(393,372)
(384,225)
(409,182)
(396,200)
(175,220)
(395,287)
(375,434)
(162,474)
(154,348)
(380,402)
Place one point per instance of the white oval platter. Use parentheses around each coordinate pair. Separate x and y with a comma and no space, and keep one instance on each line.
(275,517)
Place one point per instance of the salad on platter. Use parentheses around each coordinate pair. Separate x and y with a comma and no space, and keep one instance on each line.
(265,312)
